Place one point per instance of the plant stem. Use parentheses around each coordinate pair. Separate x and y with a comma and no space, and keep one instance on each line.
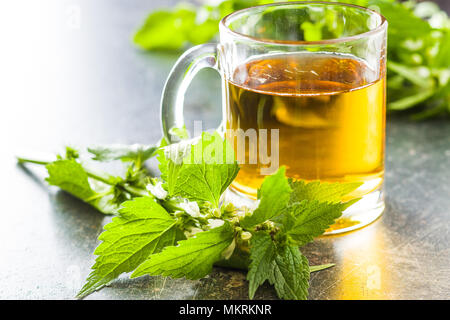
(97,176)
(321,267)
(137,192)
(25,160)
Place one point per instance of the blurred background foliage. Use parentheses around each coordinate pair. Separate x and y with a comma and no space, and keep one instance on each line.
(418,44)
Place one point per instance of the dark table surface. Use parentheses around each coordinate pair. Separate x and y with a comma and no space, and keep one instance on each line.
(84,83)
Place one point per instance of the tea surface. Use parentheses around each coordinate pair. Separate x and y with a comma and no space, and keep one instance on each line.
(329,110)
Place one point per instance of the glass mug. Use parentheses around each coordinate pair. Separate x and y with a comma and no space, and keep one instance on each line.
(308,77)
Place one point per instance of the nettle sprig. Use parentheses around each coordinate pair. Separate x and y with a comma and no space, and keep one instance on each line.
(179,225)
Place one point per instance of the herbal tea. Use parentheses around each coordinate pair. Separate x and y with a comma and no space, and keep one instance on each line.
(329,111)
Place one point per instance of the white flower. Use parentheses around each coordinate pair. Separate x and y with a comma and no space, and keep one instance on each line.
(191,208)
(254,205)
(247,210)
(246,235)
(214,223)
(157,190)
(228,252)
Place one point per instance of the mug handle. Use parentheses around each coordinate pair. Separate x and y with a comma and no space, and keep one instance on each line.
(182,73)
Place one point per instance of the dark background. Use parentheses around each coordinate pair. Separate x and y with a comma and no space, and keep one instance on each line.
(445,4)
(87,84)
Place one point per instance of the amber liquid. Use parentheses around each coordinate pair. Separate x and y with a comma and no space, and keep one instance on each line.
(330,112)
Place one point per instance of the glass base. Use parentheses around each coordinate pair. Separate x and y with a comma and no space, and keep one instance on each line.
(365,211)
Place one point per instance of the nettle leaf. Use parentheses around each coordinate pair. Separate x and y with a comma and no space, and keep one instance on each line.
(442,59)
(170,160)
(70,153)
(273,262)
(274,196)
(290,274)
(135,152)
(185,24)
(262,254)
(310,219)
(176,28)
(192,258)
(320,191)
(403,23)
(203,171)
(142,229)
(207,178)
(412,74)
(166,29)
(70,176)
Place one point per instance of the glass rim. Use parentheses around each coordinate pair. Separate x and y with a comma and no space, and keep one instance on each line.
(377,29)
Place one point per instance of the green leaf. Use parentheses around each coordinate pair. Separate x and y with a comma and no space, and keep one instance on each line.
(166,29)
(312,218)
(170,160)
(174,29)
(274,196)
(143,228)
(320,191)
(262,254)
(70,154)
(403,23)
(411,74)
(207,169)
(70,176)
(442,59)
(290,274)
(411,100)
(136,152)
(185,24)
(192,258)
